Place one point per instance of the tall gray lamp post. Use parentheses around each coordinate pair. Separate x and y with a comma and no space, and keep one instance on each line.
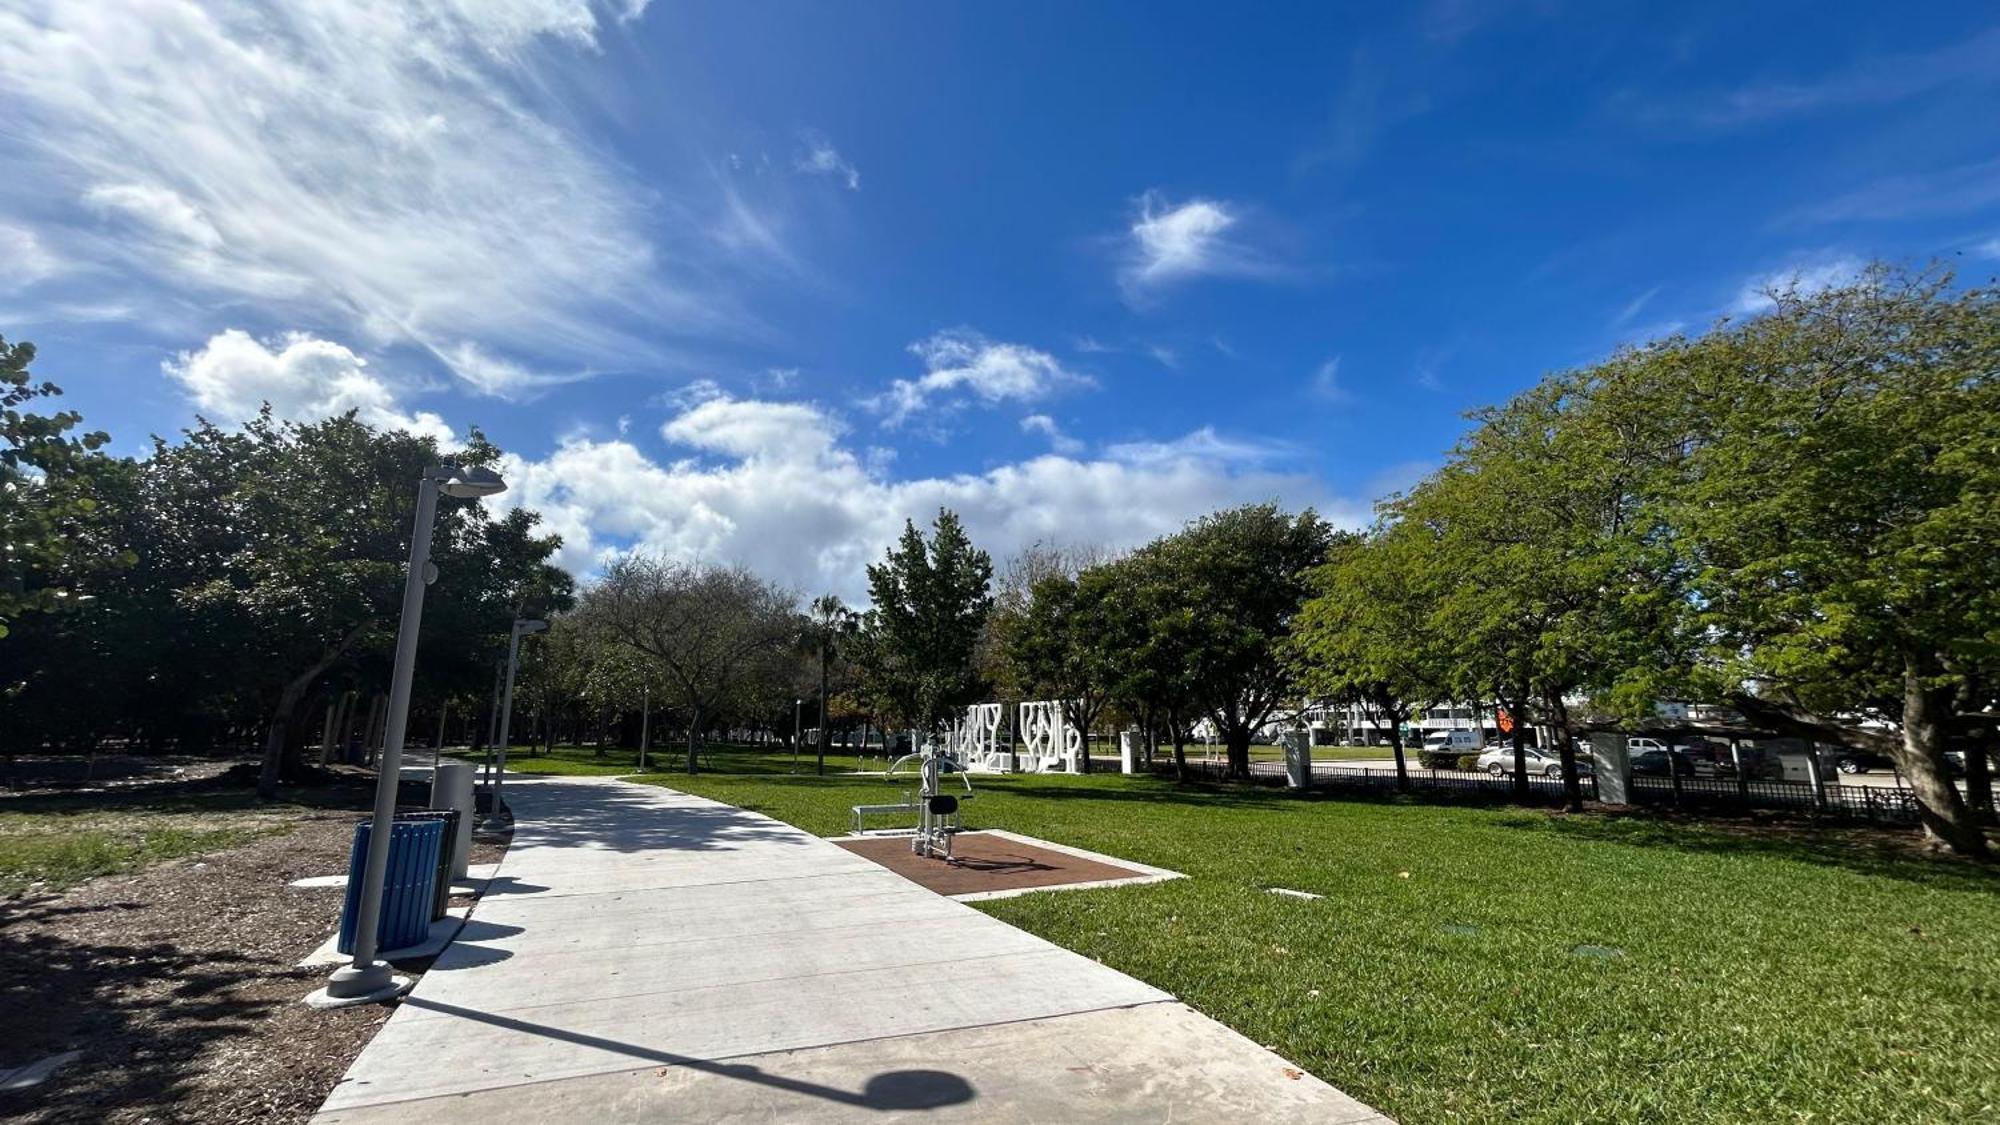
(522,627)
(366,979)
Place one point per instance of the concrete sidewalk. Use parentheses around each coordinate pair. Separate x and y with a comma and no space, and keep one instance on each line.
(645,955)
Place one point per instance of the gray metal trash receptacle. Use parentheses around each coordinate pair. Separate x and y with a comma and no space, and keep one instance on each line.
(451,788)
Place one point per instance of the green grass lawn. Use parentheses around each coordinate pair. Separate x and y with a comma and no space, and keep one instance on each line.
(58,842)
(1486,964)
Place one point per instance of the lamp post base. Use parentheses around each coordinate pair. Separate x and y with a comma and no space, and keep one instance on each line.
(349,986)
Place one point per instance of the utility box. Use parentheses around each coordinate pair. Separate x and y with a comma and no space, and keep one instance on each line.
(1298,758)
(1613,760)
(1130,749)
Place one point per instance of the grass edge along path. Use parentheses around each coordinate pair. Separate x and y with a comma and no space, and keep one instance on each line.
(1480,964)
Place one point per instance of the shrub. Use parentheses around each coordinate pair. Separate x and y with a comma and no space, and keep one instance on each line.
(1468,761)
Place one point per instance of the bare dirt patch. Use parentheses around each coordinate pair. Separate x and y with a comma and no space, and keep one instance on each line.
(178,985)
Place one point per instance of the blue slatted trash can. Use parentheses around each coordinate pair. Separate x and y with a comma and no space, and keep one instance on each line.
(408,887)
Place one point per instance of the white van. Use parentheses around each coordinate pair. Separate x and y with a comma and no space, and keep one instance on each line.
(1461,741)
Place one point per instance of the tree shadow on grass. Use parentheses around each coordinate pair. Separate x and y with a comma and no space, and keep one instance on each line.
(1860,849)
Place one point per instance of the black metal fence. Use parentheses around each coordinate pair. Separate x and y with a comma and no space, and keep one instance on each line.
(1861,802)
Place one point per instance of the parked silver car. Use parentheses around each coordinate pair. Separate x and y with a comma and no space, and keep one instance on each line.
(1499,761)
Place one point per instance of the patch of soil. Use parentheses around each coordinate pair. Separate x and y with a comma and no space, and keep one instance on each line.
(30,775)
(982,863)
(178,984)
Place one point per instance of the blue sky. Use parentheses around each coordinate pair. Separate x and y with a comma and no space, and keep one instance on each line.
(754,282)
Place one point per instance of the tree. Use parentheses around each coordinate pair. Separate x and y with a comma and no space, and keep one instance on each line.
(1243,576)
(1838,506)
(1056,648)
(53,484)
(704,626)
(831,624)
(931,600)
(1149,632)
(285,546)
(1542,563)
(1368,634)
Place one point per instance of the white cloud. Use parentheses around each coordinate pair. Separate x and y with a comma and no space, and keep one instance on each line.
(754,429)
(1754,295)
(816,521)
(495,375)
(1198,447)
(1171,242)
(161,209)
(404,172)
(23,259)
(1046,426)
(1988,249)
(302,377)
(820,158)
(961,363)
(1326,382)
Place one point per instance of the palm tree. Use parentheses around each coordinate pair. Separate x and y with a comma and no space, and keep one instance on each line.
(832,621)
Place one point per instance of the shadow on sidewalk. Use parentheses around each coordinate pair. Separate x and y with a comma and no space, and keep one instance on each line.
(890,1091)
(616,816)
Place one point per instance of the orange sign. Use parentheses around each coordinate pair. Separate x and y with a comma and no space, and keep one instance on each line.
(1505,722)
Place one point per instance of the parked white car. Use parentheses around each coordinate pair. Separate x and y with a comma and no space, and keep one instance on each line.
(1499,762)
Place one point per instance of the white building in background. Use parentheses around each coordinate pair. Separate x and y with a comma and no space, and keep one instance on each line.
(1359,725)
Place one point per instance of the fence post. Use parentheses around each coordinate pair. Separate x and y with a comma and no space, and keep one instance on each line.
(1674,769)
(1816,773)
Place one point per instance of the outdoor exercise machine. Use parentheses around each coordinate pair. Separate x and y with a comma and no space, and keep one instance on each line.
(937,811)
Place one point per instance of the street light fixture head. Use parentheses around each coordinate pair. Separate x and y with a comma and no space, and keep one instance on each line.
(524,627)
(469,482)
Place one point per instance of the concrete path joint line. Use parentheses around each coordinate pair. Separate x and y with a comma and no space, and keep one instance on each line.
(691,944)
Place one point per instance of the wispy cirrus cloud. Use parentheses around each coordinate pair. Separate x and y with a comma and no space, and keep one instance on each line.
(1876,80)
(820,158)
(1805,276)
(1326,382)
(1914,195)
(394,173)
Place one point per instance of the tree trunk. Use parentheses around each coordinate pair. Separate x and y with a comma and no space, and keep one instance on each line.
(276,732)
(822,734)
(1518,709)
(694,732)
(1572,788)
(1396,747)
(1238,740)
(281,718)
(1946,818)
